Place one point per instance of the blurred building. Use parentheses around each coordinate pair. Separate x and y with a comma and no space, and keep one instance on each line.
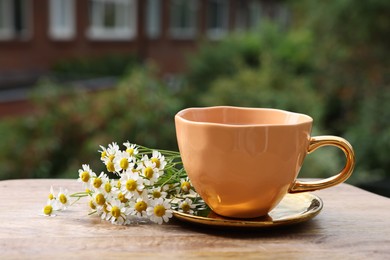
(36,34)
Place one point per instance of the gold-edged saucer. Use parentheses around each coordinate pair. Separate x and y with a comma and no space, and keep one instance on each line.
(294,208)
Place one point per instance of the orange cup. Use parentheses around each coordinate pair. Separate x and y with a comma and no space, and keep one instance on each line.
(242,161)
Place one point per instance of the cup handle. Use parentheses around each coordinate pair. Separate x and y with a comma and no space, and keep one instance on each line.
(317,142)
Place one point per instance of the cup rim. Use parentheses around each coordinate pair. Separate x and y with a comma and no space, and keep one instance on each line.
(179,115)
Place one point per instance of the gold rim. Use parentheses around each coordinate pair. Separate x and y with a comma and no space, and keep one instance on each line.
(293,209)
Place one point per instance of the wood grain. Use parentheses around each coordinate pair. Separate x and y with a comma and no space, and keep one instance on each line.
(354,224)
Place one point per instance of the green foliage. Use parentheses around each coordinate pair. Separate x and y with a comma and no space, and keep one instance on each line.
(262,88)
(71,124)
(370,135)
(350,22)
(352,58)
(281,81)
(86,67)
(278,74)
(219,59)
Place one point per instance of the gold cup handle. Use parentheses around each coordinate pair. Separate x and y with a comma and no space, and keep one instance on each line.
(317,142)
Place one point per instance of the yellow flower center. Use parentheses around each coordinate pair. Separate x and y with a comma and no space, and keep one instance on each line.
(105,208)
(186,186)
(110,166)
(156,161)
(159,210)
(131,185)
(47,210)
(148,172)
(51,196)
(87,190)
(185,207)
(111,157)
(118,184)
(156,194)
(140,206)
(63,198)
(124,163)
(100,200)
(115,212)
(130,151)
(85,176)
(92,205)
(97,182)
(107,187)
(122,197)
(103,154)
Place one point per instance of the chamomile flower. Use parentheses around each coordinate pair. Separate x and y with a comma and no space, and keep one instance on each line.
(85,176)
(158,160)
(99,199)
(131,184)
(186,187)
(159,211)
(139,206)
(49,208)
(121,197)
(103,153)
(108,186)
(110,165)
(92,205)
(158,193)
(98,181)
(149,170)
(108,155)
(63,199)
(122,162)
(117,212)
(187,206)
(131,149)
(51,194)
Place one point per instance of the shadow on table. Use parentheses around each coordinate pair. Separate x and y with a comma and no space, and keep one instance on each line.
(308,228)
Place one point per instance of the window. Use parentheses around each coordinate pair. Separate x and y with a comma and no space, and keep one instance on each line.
(183,18)
(14,19)
(112,19)
(5,21)
(62,19)
(248,15)
(254,14)
(217,18)
(153,18)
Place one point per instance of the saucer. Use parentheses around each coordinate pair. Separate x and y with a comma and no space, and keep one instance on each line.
(294,208)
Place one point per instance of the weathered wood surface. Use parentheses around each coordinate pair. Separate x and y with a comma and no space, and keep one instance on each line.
(354,224)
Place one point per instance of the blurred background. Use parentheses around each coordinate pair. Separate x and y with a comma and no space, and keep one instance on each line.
(78,74)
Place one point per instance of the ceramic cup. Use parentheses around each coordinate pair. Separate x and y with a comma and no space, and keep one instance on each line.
(242,161)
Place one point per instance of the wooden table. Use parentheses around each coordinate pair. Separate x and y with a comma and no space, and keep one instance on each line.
(354,224)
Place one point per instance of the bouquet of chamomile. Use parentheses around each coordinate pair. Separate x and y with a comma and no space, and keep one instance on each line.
(148,186)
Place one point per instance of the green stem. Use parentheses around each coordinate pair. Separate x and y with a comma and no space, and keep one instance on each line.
(79,194)
(78,198)
(91,213)
(164,152)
